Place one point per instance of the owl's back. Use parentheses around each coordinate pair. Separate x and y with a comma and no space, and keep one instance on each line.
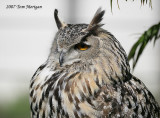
(128,100)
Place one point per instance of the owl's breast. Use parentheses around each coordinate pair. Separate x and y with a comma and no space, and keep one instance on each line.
(61,93)
(73,95)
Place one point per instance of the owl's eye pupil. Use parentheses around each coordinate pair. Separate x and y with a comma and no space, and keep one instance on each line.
(82,46)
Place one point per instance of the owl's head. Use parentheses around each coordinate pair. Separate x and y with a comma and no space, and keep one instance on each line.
(85,44)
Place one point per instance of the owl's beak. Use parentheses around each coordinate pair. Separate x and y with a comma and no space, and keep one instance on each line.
(61,58)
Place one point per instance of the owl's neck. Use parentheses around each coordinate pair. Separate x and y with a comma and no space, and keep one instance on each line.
(109,68)
(105,71)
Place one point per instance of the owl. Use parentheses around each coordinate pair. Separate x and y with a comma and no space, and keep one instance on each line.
(87,75)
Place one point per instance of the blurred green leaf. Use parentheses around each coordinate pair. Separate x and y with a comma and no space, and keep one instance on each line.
(118,4)
(142,3)
(134,47)
(111,4)
(153,33)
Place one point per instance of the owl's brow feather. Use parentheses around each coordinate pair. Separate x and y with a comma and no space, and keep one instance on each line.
(84,38)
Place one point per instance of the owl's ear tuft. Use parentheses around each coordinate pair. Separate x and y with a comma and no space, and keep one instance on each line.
(59,23)
(95,22)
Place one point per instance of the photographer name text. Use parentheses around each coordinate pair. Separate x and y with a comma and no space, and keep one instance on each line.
(34,7)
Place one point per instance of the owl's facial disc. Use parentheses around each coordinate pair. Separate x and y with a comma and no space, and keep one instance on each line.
(68,57)
(73,54)
(81,52)
(75,45)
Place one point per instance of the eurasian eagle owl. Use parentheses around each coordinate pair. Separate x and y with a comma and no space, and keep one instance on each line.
(87,75)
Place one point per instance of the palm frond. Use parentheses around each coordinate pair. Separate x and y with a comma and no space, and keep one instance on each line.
(153,33)
(142,3)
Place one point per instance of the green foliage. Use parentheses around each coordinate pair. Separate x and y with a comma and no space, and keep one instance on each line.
(142,3)
(17,109)
(151,34)
(146,1)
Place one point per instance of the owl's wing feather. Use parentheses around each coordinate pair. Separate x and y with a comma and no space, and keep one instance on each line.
(131,99)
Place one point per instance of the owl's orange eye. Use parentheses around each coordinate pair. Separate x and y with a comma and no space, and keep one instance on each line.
(82,46)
